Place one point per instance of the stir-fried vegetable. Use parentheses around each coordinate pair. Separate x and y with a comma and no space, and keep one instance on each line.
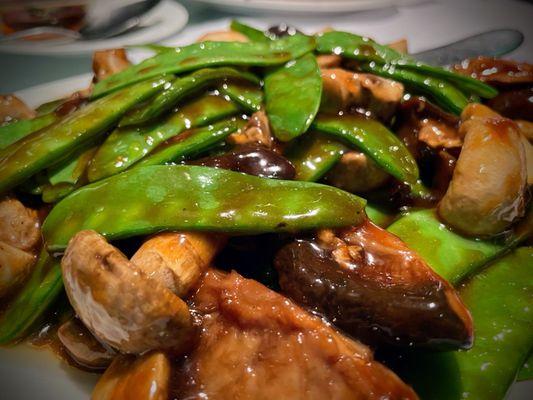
(19,129)
(199,198)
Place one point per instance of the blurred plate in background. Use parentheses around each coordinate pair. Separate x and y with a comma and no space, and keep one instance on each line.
(164,20)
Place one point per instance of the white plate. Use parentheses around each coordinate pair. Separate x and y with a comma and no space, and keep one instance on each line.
(304,6)
(162,21)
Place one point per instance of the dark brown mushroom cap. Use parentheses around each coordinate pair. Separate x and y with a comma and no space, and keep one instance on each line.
(368,283)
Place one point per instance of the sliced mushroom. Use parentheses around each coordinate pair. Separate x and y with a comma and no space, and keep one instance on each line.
(356,173)
(118,303)
(143,378)
(177,259)
(83,347)
(12,109)
(527,128)
(329,61)
(369,283)
(528,150)
(223,36)
(487,191)
(19,225)
(109,62)
(15,267)
(257,131)
(257,344)
(496,71)
(344,90)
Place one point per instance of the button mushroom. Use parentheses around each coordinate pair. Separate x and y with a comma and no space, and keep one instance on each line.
(20,238)
(257,344)
(344,90)
(177,259)
(369,283)
(487,191)
(83,347)
(143,378)
(118,303)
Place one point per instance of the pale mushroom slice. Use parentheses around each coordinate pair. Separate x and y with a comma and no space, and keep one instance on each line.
(487,193)
(109,62)
(177,259)
(15,267)
(118,303)
(343,90)
(83,347)
(143,378)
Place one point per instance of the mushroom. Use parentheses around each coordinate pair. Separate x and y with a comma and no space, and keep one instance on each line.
(109,62)
(367,282)
(487,191)
(344,90)
(12,109)
(83,347)
(118,303)
(329,61)
(356,173)
(177,259)
(256,131)
(142,378)
(223,36)
(20,238)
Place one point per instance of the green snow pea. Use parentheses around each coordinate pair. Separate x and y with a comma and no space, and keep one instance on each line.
(360,48)
(451,255)
(292,97)
(373,139)
(526,372)
(249,97)
(41,289)
(313,155)
(151,199)
(499,298)
(192,142)
(180,88)
(19,129)
(379,215)
(126,146)
(255,35)
(209,54)
(38,151)
(443,93)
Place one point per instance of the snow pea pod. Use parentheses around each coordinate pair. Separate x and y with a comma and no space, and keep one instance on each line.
(192,142)
(249,97)
(180,88)
(38,293)
(38,151)
(373,139)
(150,199)
(126,146)
(499,299)
(292,97)
(209,54)
(250,32)
(526,372)
(313,155)
(443,93)
(360,48)
(449,254)
(19,129)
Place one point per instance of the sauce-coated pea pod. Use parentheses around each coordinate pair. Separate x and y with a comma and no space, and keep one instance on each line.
(443,93)
(499,299)
(249,97)
(192,142)
(180,88)
(126,146)
(314,155)
(373,139)
(209,54)
(250,32)
(38,293)
(356,47)
(182,197)
(292,97)
(19,129)
(452,256)
(40,150)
